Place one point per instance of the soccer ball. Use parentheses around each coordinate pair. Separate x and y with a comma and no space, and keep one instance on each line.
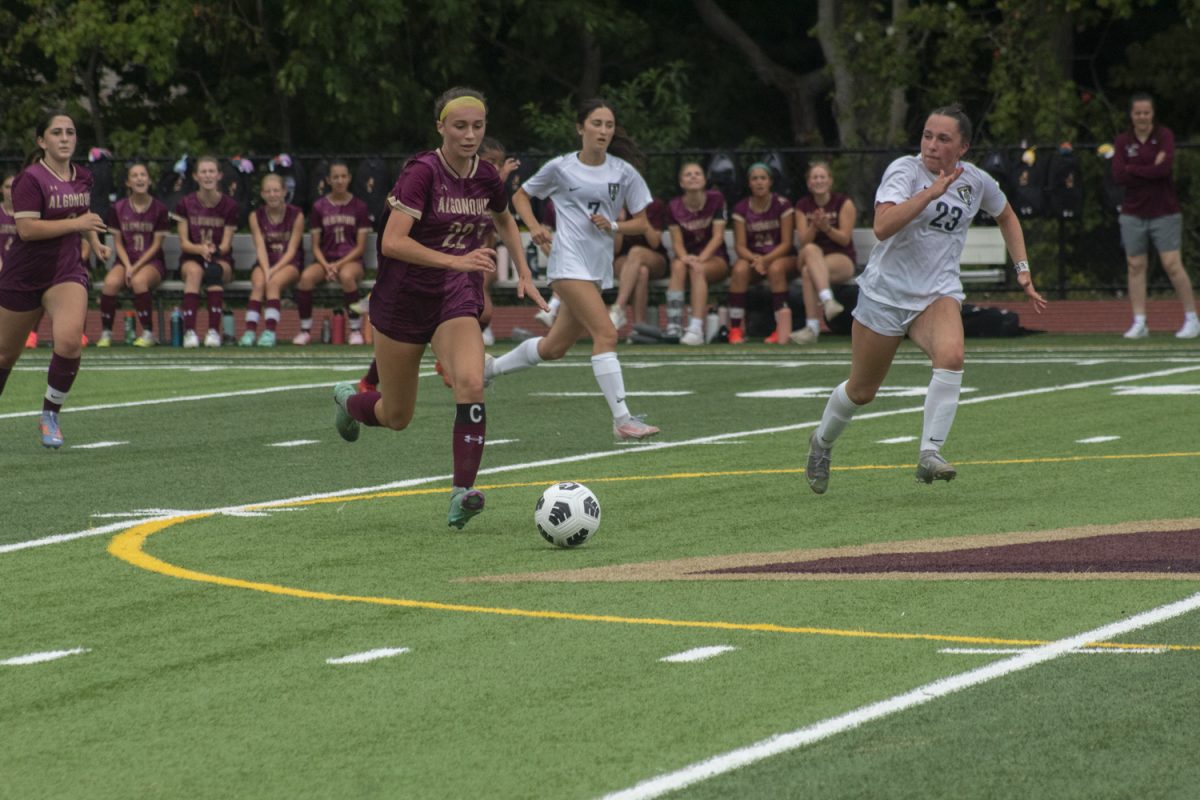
(567,514)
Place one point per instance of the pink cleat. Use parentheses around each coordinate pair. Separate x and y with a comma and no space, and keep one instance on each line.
(633,428)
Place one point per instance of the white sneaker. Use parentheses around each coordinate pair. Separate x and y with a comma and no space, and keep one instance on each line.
(804,336)
(212,338)
(832,308)
(545,317)
(617,315)
(692,338)
(1137,330)
(302,338)
(489,338)
(1190,330)
(356,337)
(190,340)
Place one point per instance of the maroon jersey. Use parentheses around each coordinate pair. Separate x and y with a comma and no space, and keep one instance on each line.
(276,235)
(8,232)
(764,229)
(38,193)
(338,226)
(697,226)
(137,228)
(806,206)
(1149,190)
(207,223)
(656,214)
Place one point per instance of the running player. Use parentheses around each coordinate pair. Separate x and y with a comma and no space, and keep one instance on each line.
(825,228)
(762,236)
(696,220)
(42,271)
(278,230)
(206,221)
(340,223)
(911,285)
(429,289)
(589,188)
(139,223)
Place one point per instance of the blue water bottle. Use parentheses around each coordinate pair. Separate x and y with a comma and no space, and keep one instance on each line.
(176,328)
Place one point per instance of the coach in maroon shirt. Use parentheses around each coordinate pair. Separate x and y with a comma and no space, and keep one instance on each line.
(1142,162)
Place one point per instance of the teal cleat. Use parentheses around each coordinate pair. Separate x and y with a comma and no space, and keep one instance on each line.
(247,339)
(51,434)
(266,339)
(464,504)
(347,426)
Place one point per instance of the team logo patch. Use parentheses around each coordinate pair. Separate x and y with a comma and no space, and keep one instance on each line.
(613,190)
(964,193)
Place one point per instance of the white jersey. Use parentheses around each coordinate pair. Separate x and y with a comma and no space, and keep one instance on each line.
(920,262)
(580,250)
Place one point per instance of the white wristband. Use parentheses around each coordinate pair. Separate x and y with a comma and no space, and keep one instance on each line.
(1021,266)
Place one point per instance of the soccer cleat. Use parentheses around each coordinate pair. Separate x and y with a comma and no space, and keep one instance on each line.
(692,338)
(633,428)
(247,339)
(816,470)
(51,434)
(489,369)
(1190,330)
(546,317)
(190,340)
(363,386)
(360,306)
(266,339)
(803,336)
(1137,330)
(105,339)
(464,504)
(773,338)
(737,335)
(356,338)
(146,339)
(212,338)
(302,338)
(489,337)
(832,308)
(347,426)
(932,467)
(617,315)
(31,340)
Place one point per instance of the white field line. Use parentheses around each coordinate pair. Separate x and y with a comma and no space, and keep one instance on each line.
(553,462)
(897,440)
(204,367)
(501,441)
(38,658)
(1097,439)
(369,655)
(600,394)
(697,654)
(294,443)
(1097,651)
(793,740)
(96,445)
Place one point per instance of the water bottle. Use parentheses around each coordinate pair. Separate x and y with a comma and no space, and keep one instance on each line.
(326,331)
(531,256)
(228,329)
(339,327)
(711,325)
(130,332)
(176,327)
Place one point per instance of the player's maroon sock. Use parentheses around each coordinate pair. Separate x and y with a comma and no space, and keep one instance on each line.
(253,311)
(108,311)
(4,373)
(361,407)
(272,315)
(143,304)
(191,304)
(470,422)
(778,300)
(304,303)
(372,376)
(59,378)
(216,298)
(737,309)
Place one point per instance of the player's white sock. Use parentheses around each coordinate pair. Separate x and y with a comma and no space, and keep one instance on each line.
(825,295)
(1139,319)
(607,370)
(523,356)
(837,415)
(941,403)
(696,325)
(554,303)
(1190,316)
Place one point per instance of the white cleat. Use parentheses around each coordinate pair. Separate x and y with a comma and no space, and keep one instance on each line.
(633,428)
(212,338)
(545,317)
(832,308)
(692,338)
(1190,330)
(356,338)
(1137,330)
(191,340)
(803,336)
(617,315)
(302,338)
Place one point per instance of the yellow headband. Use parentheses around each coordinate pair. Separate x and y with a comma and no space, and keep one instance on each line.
(466,101)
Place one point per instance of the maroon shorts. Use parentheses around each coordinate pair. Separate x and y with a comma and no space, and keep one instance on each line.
(413,317)
(22,292)
(155,264)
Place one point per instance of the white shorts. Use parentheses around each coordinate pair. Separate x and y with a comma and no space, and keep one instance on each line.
(578,272)
(884,319)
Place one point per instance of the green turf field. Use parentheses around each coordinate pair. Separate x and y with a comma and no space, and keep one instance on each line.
(255,608)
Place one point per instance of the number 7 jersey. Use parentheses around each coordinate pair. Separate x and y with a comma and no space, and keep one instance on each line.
(920,262)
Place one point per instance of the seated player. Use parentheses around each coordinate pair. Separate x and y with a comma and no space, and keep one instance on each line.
(696,220)
(825,229)
(206,219)
(762,235)
(640,259)
(278,230)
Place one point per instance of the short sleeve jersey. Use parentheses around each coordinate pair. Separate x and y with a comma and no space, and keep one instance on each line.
(8,232)
(920,262)
(339,225)
(452,215)
(580,249)
(276,235)
(763,228)
(656,215)
(832,210)
(205,223)
(137,228)
(39,193)
(697,226)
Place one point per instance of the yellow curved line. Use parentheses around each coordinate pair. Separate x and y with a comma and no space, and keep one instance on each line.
(128,546)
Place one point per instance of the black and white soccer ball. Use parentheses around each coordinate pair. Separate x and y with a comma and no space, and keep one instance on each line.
(567,514)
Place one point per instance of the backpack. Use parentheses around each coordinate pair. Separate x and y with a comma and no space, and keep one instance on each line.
(100,164)
(372,185)
(996,164)
(176,182)
(1113,192)
(318,185)
(989,322)
(1064,186)
(1029,187)
(781,184)
(295,187)
(722,175)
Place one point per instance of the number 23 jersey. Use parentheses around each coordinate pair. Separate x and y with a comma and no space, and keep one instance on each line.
(920,262)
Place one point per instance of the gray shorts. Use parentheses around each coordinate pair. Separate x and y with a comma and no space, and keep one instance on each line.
(884,319)
(1138,232)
